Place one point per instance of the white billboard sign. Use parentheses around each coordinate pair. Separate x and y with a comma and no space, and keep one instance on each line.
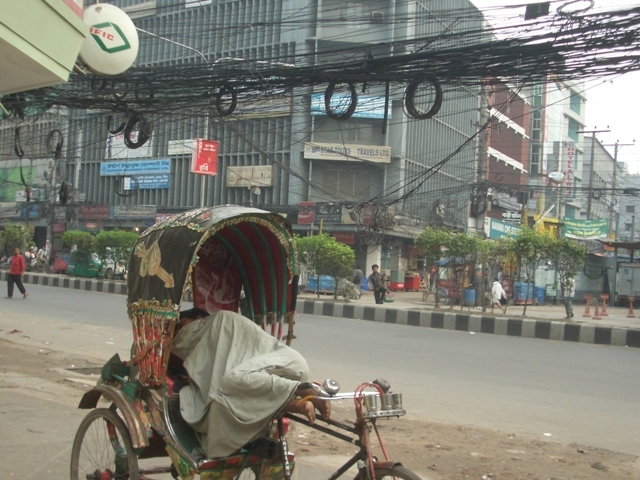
(259,176)
(347,152)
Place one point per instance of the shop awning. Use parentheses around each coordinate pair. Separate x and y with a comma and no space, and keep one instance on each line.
(617,244)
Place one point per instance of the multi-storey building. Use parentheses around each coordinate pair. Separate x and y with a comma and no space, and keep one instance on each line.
(557,118)
(286,153)
(628,220)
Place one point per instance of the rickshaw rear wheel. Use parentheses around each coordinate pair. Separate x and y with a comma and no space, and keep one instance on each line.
(102,449)
(397,471)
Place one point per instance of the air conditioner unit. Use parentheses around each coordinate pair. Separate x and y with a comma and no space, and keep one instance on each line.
(377,16)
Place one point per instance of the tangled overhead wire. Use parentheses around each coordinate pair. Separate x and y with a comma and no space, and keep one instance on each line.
(137,131)
(570,45)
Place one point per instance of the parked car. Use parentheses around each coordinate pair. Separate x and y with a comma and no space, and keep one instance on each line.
(114,270)
(91,268)
(94,268)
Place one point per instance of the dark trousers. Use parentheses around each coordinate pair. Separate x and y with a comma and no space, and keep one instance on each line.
(379,294)
(17,279)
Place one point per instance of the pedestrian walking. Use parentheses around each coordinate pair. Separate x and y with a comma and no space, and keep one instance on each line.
(498,296)
(377,284)
(358,276)
(16,272)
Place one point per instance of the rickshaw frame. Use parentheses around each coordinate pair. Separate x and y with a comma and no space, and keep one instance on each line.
(216,252)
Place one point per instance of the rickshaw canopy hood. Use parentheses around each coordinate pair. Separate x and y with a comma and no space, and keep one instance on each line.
(217,253)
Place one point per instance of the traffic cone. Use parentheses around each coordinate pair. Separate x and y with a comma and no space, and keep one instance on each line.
(630,314)
(587,306)
(604,297)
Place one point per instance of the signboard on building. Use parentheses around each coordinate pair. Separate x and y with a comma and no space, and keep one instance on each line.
(135,167)
(259,106)
(181,147)
(204,159)
(59,213)
(92,213)
(306,213)
(134,211)
(350,214)
(348,152)
(146,182)
(258,176)
(93,226)
(112,44)
(345,237)
(10,210)
(585,229)
(570,157)
(196,3)
(116,148)
(511,216)
(368,106)
(328,212)
(497,229)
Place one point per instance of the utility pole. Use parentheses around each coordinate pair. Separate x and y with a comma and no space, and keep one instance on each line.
(483,149)
(481,192)
(612,209)
(593,147)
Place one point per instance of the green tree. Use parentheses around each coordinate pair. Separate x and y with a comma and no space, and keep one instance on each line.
(324,255)
(491,254)
(568,256)
(432,242)
(83,242)
(114,245)
(530,247)
(15,236)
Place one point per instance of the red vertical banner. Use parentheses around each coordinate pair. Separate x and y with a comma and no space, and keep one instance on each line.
(306,213)
(204,159)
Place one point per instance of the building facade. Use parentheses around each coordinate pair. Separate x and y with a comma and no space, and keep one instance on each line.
(374,186)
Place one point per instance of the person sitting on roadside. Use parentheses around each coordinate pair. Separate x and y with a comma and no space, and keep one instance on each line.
(240,379)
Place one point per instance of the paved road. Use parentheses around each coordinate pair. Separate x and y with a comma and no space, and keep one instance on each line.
(577,392)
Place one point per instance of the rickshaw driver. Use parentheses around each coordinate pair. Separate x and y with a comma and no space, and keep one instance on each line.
(240,378)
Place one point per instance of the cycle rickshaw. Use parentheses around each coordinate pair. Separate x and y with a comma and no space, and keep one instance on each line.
(229,258)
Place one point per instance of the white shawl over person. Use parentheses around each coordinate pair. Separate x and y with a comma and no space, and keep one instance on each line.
(240,377)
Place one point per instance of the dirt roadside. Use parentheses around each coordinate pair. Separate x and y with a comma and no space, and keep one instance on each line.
(438,451)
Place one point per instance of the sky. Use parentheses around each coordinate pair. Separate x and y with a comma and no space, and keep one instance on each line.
(612,103)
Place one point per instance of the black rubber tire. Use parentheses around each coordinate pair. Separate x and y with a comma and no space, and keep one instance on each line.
(145,130)
(397,471)
(328,94)
(108,273)
(93,429)
(410,107)
(226,107)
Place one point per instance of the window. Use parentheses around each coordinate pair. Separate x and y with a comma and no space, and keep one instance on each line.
(356,130)
(351,15)
(537,94)
(352,183)
(534,164)
(574,128)
(575,102)
(628,227)
(630,209)
(536,124)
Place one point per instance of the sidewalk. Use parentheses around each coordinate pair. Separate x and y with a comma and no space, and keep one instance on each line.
(541,321)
